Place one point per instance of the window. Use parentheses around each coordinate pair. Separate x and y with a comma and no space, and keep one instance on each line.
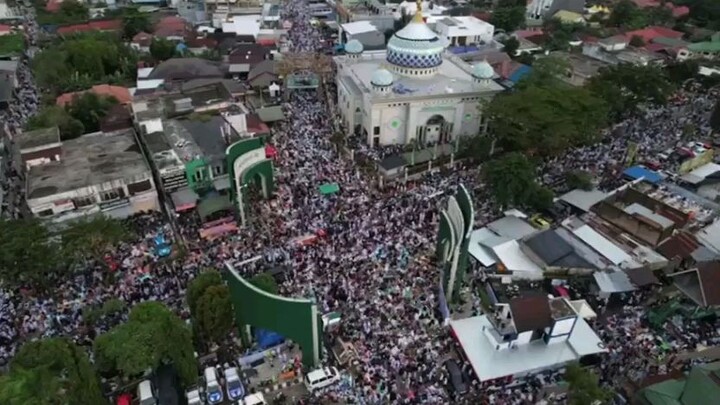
(139,187)
(109,195)
(45,213)
(83,201)
(376,130)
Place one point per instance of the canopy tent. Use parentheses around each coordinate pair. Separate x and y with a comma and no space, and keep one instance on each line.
(329,188)
(213,204)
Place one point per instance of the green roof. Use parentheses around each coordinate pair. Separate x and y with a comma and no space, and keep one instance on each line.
(701,385)
(713,45)
(664,393)
(329,188)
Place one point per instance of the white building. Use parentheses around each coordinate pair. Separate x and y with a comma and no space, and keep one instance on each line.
(100,172)
(413,91)
(466,30)
(526,336)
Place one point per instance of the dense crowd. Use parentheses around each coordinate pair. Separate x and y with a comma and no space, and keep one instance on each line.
(366,260)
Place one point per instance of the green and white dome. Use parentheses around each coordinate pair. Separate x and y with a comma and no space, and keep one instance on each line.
(483,71)
(416,46)
(382,78)
(354,47)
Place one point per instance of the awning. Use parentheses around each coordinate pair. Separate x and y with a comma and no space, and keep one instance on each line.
(184,199)
(329,188)
(211,205)
(270,114)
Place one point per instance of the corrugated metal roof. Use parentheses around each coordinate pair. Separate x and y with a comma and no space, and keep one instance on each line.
(614,282)
(601,244)
(639,209)
(511,227)
(481,253)
(514,259)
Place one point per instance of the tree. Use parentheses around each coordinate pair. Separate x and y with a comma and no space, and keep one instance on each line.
(161,49)
(134,22)
(45,369)
(265,282)
(93,237)
(50,116)
(637,41)
(583,387)
(579,179)
(508,18)
(624,87)
(90,108)
(214,313)
(547,71)
(679,72)
(199,284)
(30,257)
(541,198)
(152,336)
(511,179)
(511,45)
(627,15)
(476,147)
(546,120)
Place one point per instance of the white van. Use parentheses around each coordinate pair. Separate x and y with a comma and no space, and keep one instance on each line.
(145,393)
(212,386)
(321,378)
(254,399)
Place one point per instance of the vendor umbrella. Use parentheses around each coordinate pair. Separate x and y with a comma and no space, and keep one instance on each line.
(329,188)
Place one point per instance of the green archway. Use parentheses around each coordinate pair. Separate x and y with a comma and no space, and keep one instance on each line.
(246,160)
(294,318)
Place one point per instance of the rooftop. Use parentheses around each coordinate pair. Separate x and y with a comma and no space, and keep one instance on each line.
(531,313)
(91,159)
(37,137)
(489,363)
(121,94)
(552,249)
(186,69)
(453,76)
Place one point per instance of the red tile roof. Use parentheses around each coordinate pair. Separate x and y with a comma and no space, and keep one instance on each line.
(201,43)
(680,245)
(677,11)
(104,25)
(53,5)
(165,32)
(5,28)
(650,33)
(122,94)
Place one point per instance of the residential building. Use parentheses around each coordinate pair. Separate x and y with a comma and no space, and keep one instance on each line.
(174,29)
(100,172)
(121,94)
(246,56)
(263,74)
(706,49)
(413,91)
(541,9)
(364,32)
(100,25)
(464,30)
(141,42)
(38,147)
(524,336)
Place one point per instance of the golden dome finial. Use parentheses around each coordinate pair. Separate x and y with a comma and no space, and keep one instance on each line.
(418,14)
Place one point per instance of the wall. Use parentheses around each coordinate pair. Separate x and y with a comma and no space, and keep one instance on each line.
(628,223)
(392,120)
(296,319)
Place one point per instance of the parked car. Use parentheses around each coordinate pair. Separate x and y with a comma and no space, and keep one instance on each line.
(321,378)
(212,386)
(233,384)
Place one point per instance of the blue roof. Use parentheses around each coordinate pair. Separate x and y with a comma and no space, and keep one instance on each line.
(636,172)
(519,73)
(463,49)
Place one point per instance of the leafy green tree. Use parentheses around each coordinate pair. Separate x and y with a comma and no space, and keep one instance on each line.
(93,237)
(541,198)
(265,282)
(90,108)
(624,87)
(679,72)
(134,22)
(161,49)
(579,179)
(476,147)
(546,120)
(29,255)
(627,15)
(584,387)
(197,287)
(637,41)
(214,313)
(511,179)
(508,18)
(45,370)
(49,116)
(510,46)
(547,71)
(152,336)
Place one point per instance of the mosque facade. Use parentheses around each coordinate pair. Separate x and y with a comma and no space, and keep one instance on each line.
(413,92)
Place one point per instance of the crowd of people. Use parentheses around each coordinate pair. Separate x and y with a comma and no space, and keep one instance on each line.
(22,106)
(366,260)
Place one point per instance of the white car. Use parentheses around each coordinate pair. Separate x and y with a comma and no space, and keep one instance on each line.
(321,378)
(233,385)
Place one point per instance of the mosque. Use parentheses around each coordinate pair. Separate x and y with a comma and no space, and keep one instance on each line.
(412,92)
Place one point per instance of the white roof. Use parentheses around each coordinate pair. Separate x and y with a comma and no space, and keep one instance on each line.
(614,282)
(583,199)
(466,26)
(149,84)
(699,174)
(514,259)
(640,209)
(490,364)
(710,236)
(358,27)
(142,73)
(481,253)
(583,309)
(243,25)
(601,244)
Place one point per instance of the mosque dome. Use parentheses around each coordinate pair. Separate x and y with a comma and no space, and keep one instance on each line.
(382,78)
(483,70)
(354,46)
(416,46)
